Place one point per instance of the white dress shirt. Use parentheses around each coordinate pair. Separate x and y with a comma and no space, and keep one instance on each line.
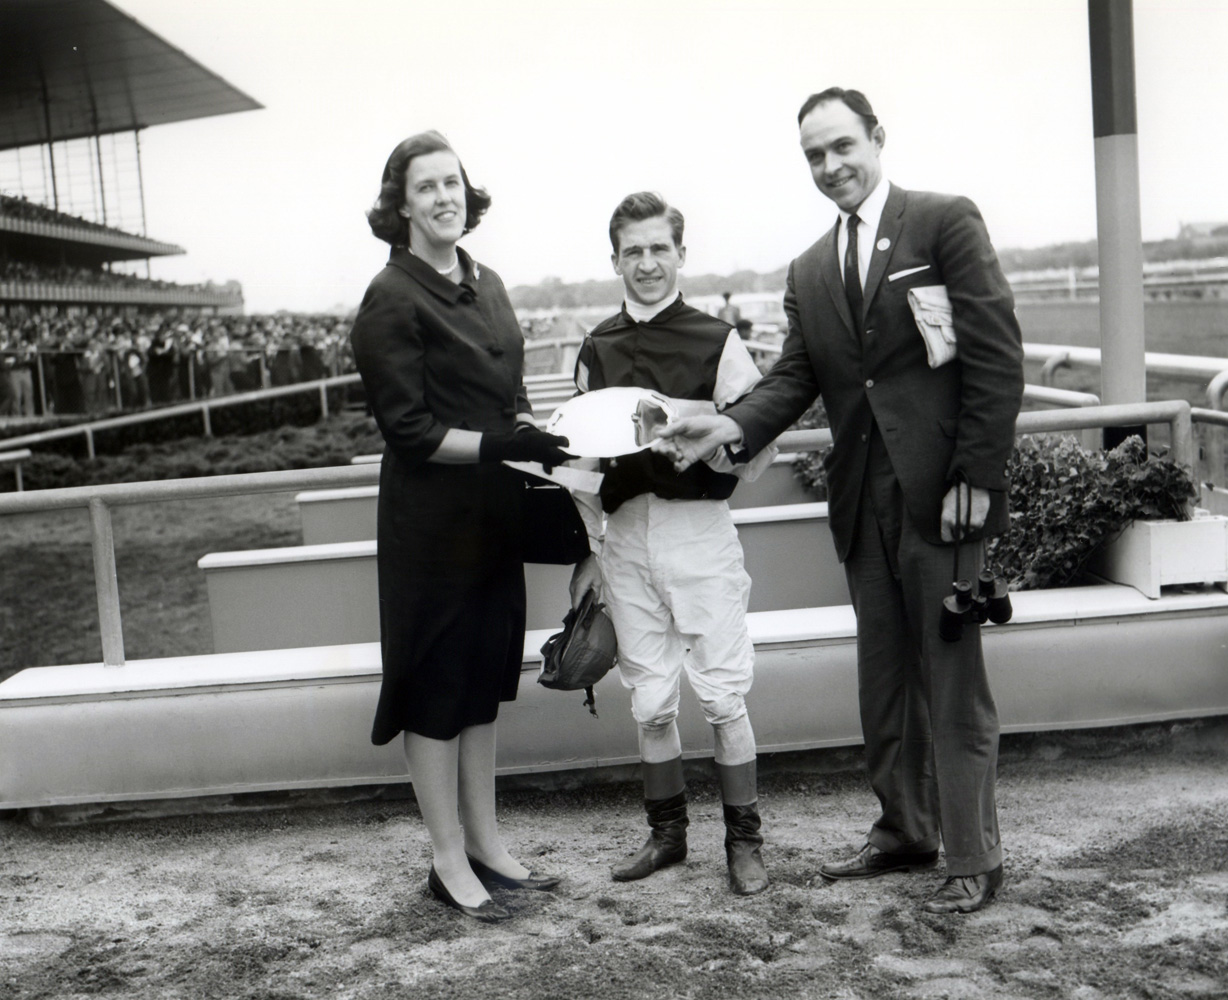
(869,212)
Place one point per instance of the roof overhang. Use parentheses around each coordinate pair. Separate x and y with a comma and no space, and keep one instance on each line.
(76,68)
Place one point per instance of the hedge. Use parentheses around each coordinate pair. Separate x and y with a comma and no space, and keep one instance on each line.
(1065,503)
(329,442)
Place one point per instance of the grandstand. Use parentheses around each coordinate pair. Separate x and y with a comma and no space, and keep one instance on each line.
(78,77)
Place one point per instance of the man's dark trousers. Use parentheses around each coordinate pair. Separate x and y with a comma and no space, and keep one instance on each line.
(929,720)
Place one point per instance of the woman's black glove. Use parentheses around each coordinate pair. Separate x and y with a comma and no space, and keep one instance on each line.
(530,445)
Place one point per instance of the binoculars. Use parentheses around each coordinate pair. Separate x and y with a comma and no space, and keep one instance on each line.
(990,602)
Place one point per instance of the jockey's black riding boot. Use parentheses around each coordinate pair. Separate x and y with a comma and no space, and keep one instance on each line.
(665,802)
(747,875)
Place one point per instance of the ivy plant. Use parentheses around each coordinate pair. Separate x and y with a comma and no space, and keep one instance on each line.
(1065,503)
(808,467)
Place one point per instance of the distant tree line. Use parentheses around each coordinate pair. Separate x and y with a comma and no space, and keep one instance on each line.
(1084,254)
(554,293)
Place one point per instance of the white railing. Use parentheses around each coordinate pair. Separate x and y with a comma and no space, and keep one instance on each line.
(1084,282)
(193,365)
(551,343)
(539,386)
(1193,366)
(99,500)
(1055,356)
(203,407)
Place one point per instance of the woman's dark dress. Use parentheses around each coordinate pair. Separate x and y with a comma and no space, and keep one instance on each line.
(434,355)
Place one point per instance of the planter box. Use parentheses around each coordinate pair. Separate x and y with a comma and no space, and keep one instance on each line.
(1149,555)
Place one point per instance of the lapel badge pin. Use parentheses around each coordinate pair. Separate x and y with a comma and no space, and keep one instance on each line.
(883,244)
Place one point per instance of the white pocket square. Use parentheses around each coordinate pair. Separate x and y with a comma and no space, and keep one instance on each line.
(932,310)
(905,273)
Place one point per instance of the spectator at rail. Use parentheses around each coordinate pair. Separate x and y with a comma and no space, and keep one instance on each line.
(65,383)
(311,357)
(254,361)
(163,363)
(729,313)
(285,362)
(8,360)
(17,361)
(92,370)
(133,386)
(217,359)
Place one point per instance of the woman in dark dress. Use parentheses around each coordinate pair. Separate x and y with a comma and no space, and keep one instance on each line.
(440,353)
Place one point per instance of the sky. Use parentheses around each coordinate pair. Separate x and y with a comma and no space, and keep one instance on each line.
(559,108)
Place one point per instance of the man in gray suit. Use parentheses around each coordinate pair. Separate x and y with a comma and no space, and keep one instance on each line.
(915,439)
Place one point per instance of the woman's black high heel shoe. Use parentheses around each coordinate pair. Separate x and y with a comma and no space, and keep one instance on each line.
(489,875)
(490,912)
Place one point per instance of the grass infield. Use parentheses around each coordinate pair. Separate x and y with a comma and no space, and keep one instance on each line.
(48,609)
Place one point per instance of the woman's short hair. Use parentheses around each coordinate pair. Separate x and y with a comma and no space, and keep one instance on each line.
(385,217)
(645,205)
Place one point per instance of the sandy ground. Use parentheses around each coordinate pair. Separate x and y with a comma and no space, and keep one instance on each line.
(1117,887)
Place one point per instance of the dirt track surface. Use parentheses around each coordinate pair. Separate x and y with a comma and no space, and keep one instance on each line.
(1117,887)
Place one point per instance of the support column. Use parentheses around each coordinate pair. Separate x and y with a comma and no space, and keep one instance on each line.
(1118,220)
(140,186)
(55,189)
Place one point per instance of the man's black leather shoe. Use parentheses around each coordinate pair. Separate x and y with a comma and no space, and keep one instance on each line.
(964,893)
(870,862)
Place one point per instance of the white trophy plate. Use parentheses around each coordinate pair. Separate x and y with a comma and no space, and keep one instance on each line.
(609,422)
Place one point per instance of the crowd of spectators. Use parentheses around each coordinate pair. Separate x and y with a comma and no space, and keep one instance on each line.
(67,274)
(20,207)
(96,363)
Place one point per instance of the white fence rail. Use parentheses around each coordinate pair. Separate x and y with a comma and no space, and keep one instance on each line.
(99,500)
(203,407)
(1213,370)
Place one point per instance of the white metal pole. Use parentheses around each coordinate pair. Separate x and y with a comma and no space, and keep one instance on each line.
(1118,221)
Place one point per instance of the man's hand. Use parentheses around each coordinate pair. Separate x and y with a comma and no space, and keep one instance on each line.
(951,513)
(585,577)
(693,439)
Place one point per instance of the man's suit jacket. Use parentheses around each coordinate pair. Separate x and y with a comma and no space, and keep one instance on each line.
(935,422)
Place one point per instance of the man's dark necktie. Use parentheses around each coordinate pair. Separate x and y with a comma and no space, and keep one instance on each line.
(852,275)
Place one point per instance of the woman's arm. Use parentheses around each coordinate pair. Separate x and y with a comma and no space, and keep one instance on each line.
(458,447)
(391,358)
